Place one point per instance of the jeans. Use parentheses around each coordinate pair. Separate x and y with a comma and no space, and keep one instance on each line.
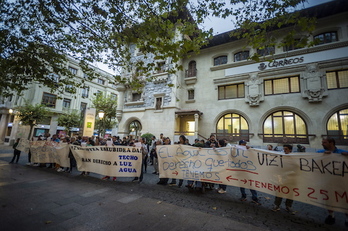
(253,194)
(278,201)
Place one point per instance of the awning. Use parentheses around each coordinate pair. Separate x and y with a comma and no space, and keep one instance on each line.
(188,112)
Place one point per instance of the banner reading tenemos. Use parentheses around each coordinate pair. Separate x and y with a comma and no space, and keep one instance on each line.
(118,161)
(313,178)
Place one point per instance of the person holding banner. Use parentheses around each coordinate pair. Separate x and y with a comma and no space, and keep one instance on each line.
(242,145)
(144,151)
(329,145)
(278,200)
(182,140)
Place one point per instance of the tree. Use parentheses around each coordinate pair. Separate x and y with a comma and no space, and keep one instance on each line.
(70,120)
(37,35)
(107,104)
(31,114)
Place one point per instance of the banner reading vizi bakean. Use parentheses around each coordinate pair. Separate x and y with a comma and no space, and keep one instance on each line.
(314,178)
(118,161)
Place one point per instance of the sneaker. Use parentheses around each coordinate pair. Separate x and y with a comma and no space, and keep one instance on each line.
(60,170)
(276,208)
(330,220)
(105,178)
(114,179)
(135,181)
(243,199)
(290,210)
(29,164)
(221,191)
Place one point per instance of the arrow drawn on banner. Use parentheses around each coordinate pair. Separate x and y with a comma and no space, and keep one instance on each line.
(230,178)
(175,173)
(244,181)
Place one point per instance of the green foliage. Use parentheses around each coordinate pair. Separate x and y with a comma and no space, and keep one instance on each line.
(31,114)
(148,137)
(70,120)
(36,35)
(107,104)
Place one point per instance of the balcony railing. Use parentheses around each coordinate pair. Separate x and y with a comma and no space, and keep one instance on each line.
(190,73)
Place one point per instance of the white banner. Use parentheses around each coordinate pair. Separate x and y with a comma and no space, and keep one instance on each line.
(50,152)
(23,145)
(314,178)
(118,161)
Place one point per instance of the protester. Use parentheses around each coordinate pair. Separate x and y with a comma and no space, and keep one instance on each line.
(222,187)
(182,141)
(144,152)
(278,200)
(16,152)
(243,144)
(329,145)
(164,181)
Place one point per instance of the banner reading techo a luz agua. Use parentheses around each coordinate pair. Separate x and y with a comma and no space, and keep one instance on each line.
(314,178)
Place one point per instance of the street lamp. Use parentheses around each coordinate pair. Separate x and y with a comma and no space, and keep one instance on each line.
(101,114)
(10,111)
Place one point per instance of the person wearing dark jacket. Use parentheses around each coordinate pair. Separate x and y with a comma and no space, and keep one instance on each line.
(16,152)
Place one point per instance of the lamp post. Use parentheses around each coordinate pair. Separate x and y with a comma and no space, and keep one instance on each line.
(101,116)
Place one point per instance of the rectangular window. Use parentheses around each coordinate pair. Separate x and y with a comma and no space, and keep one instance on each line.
(191,94)
(161,67)
(73,70)
(158,103)
(337,79)
(85,92)
(231,91)
(66,103)
(49,100)
(282,85)
(101,81)
(83,107)
(69,89)
(136,97)
(113,96)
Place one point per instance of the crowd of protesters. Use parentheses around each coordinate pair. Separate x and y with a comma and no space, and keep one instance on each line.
(149,157)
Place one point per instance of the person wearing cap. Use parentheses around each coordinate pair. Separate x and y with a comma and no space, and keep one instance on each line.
(242,190)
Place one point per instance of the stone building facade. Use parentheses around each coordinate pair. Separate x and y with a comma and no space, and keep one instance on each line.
(10,126)
(298,98)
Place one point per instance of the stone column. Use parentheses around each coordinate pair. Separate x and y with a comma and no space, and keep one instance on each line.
(120,101)
(3,127)
(196,125)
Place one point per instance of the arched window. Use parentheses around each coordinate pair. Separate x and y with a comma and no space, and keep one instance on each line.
(327,37)
(192,71)
(220,60)
(233,127)
(337,127)
(285,127)
(243,55)
(134,129)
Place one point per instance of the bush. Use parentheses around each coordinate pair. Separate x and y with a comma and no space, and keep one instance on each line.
(148,137)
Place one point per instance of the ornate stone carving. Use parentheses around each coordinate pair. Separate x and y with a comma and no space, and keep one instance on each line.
(313,83)
(254,90)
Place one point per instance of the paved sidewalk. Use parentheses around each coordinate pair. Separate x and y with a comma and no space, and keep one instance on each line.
(34,198)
